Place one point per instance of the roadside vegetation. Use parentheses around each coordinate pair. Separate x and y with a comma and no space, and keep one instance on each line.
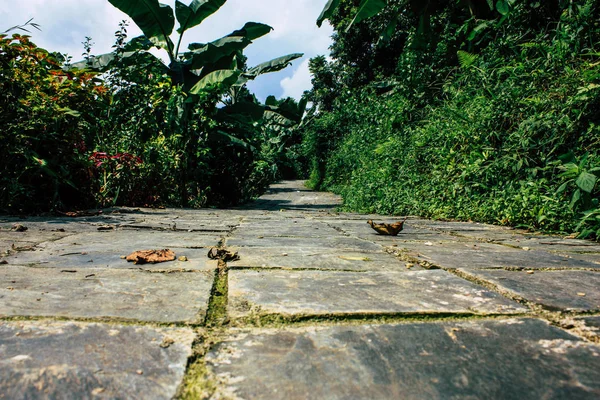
(472,110)
(126,128)
(465,109)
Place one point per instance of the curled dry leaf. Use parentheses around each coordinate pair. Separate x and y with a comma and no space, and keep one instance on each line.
(151,256)
(222,254)
(388,229)
(18,228)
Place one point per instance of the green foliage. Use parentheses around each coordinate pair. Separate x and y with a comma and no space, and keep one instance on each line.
(498,126)
(47,119)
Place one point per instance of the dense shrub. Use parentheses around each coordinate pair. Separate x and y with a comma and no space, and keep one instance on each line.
(48,124)
(500,126)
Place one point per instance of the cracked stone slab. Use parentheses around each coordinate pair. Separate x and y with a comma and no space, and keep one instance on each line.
(104,293)
(563,290)
(324,292)
(251,257)
(497,359)
(66,360)
(592,325)
(105,249)
(486,255)
(337,242)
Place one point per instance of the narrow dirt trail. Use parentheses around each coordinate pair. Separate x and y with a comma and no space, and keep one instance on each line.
(318,305)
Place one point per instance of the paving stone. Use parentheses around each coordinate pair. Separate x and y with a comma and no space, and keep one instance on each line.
(592,325)
(362,230)
(52,360)
(322,292)
(104,293)
(105,249)
(252,257)
(501,359)
(487,255)
(564,290)
(283,243)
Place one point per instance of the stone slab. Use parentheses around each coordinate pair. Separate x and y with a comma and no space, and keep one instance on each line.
(251,257)
(52,360)
(488,255)
(322,292)
(562,290)
(333,243)
(498,359)
(105,249)
(104,293)
(592,326)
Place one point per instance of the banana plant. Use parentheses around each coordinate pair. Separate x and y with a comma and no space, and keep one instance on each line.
(203,64)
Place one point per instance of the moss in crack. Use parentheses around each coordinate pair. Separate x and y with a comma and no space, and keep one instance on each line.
(255,319)
(216,314)
(199,381)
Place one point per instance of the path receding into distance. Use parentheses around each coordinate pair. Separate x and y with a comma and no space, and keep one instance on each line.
(319,306)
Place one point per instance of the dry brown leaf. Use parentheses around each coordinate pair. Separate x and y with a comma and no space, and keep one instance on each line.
(151,256)
(388,229)
(222,254)
(18,228)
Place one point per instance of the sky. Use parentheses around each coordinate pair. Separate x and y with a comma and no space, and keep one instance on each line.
(66,23)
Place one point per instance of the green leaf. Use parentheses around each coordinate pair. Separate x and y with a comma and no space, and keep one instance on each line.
(274,65)
(195,13)
(466,59)
(223,136)
(271,101)
(502,7)
(156,20)
(389,30)
(252,30)
(562,188)
(225,77)
(575,199)
(212,52)
(586,182)
(367,9)
(328,11)
(138,43)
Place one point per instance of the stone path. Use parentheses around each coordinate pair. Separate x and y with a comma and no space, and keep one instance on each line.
(317,306)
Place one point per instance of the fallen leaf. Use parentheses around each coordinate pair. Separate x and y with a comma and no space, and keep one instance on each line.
(166,342)
(409,265)
(530,272)
(3,262)
(183,258)
(151,256)
(222,254)
(106,228)
(18,228)
(388,229)
(581,294)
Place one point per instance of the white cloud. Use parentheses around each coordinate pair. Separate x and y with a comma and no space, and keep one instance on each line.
(295,85)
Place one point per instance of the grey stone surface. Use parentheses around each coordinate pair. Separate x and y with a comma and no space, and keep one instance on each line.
(105,249)
(504,359)
(562,290)
(487,255)
(252,257)
(104,293)
(57,360)
(293,195)
(333,243)
(322,292)
(592,326)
